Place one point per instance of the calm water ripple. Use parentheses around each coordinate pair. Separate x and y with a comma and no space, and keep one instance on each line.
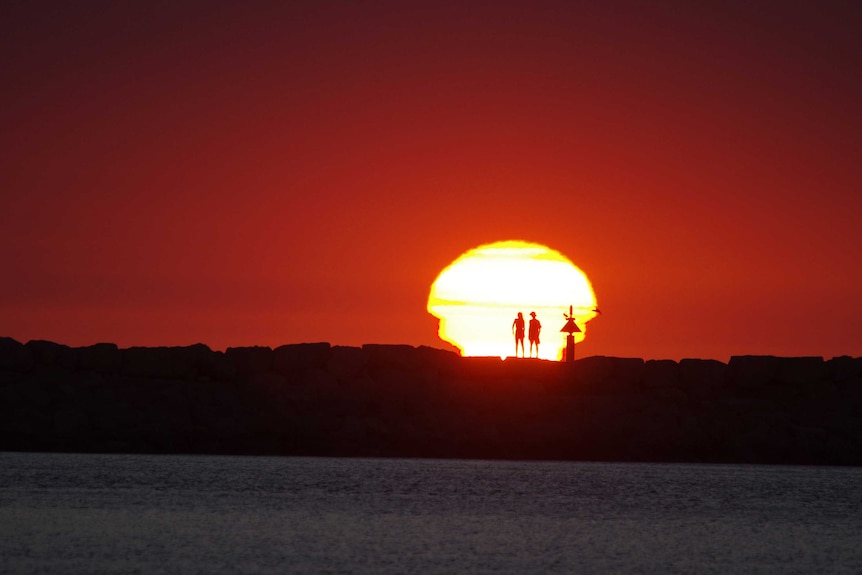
(63,513)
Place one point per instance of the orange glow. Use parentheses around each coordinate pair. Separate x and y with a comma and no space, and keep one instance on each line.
(477,297)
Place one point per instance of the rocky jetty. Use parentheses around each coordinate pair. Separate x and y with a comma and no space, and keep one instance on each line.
(402,401)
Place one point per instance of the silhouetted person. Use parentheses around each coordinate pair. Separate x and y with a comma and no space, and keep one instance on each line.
(535,328)
(518,330)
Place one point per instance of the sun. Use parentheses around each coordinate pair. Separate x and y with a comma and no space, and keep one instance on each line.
(477,297)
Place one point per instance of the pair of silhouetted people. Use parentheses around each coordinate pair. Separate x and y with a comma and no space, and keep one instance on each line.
(518,330)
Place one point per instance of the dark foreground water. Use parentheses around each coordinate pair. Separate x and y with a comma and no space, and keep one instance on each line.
(190,514)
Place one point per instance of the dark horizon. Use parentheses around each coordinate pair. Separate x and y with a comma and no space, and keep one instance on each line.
(401,401)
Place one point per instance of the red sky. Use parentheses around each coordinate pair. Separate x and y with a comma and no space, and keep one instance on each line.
(268,173)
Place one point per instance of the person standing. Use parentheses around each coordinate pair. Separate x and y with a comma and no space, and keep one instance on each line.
(535,328)
(518,330)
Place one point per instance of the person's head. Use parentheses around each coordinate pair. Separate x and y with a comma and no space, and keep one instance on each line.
(520,315)
(532,313)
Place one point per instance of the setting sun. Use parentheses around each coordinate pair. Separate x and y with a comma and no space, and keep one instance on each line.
(477,297)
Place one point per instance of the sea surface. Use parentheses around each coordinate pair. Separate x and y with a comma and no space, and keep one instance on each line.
(66,513)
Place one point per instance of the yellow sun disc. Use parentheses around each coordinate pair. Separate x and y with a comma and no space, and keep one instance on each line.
(477,297)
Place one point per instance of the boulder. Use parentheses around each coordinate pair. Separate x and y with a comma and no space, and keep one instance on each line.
(703,378)
(800,370)
(287,359)
(844,367)
(660,373)
(101,357)
(397,385)
(601,374)
(248,360)
(346,362)
(26,394)
(481,372)
(164,362)
(14,355)
(52,354)
(851,391)
(753,371)
(267,384)
(389,382)
(216,366)
(29,422)
(531,372)
(319,384)
(439,359)
(824,392)
(671,394)
(71,424)
(811,443)
(217,407)
(7,377)
(390,355)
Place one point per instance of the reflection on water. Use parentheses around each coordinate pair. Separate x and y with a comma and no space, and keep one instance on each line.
(180,514)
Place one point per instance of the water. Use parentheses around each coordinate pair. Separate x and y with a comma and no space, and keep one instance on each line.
(192,514)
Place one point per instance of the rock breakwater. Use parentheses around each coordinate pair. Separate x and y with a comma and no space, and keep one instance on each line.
(403,401)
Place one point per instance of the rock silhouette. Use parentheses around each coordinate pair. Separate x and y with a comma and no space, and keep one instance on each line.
(404,401)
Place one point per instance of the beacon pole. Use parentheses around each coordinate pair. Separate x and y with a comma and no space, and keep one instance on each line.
(570,328)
